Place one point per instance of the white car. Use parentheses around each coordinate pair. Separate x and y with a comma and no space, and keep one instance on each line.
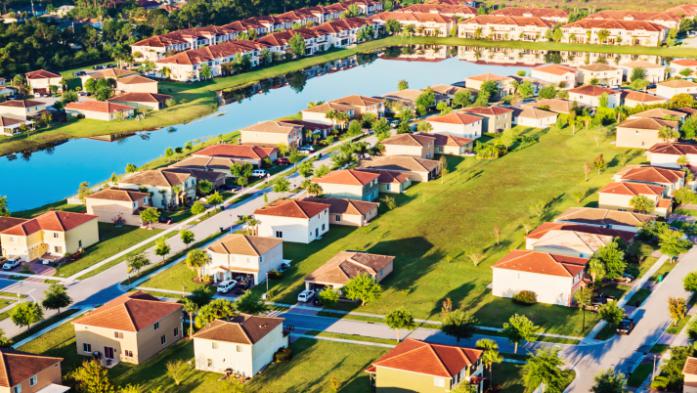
(226,286)
(306,295)
(259,173)
(11,264)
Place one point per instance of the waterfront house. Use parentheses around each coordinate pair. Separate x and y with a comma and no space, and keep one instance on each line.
(11,126)
(505,84)
(243,255)
(458,123)
(272,132)
(599,73)
(142,101)
(253,154)
(614,32)
(461,11)
(556,74)
(100,110)
(504,28)
(345,265)
(168,189)
(44,83)
(554,15)
(349,183)
(421,23)
(495,118)
(665,19)
(298,221)
(114,205)
(22,109)
(136,84)
(591,96)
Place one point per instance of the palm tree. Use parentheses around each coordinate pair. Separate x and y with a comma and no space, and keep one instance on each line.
(490,356)
(190,308)
(311,187)
(196,259)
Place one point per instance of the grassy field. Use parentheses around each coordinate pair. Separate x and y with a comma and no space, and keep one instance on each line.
(438,225)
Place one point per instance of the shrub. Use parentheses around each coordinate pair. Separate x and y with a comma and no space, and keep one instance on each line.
(525,298)
(283,355)
(692,331)
(274,274)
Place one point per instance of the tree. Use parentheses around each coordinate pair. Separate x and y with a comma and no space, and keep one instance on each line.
(196,259)
(281,185)
(250,303)
(459,324)
(197,208)
(177,369)
(611,313)
(381,127)
(689,128)
(690,282)
(677,307)
(393,26)
(525,89)
(329,296)
(215,199)
(204,187)
(490,356)
(363,288)
(241,171)
(187,237)
(603,35)
(400,318)
(545,367)
(56,297)
(4,211)
(583,298)
(637,73)
(425,101)
(216,309)
(83,191)
(297,45)
(599,163)
(91,377)
(462,98)
(547,92)
(609,382)
(135,263)
(596,268)
(131,168)
(26,314)
(149,216)
(673,243)
(668,134)
(519,328)
(161,248)
(306,169)
(612,258)
(641,204)
(130,388)
(402,85)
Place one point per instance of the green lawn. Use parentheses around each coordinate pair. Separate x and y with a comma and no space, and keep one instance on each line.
(639,375)
(508,378)
(112,239)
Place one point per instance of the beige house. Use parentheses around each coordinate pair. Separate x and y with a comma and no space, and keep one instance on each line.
(297,221)
(10,126)
(452,145)
(673,87)
(417,145)
(41,81)
(678,65)
(670,154)
(662,113)
(23,372)
(349,212)
(168,189)
(641,133)
(535,117)
(422,23)
(406,99)
(136,84)
(142,101)
(418,366)
(100,110)
(504,83)
(591,95)
(504,28)
(689,372)
(555,105)
(391,182)
(619,196)
(244,255)
(654,72)
(495,118)
(22,109)
(543,229)
(670,179)
(220,157)
(350,183)
(345,265)
(599,73)
(7,222)
(556,15)
(553,278)
(618,32)
(568,242)
(114,205)
(415,168)
(606,218)
(131,328)
(54,233)
(460,124)
(272,132)
(556,74)
(632,99)
(363,105)
(244,344)
(107,73)
(323,113)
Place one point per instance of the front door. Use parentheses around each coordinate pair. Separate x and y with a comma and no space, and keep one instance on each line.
(109,352)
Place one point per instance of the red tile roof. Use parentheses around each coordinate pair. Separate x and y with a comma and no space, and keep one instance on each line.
(556,69)
(636,15)
(118,194)
(133,311)
(455,118)
(98,106)
(55,220)
(508,20)
(642,97)
(135,79)
(241,329)
(244,245)
(293,208)
(443,9)
(633,189)
(352,177)
(21,103)
(9,222)
(614,24)
(493,110)
(542,263)
(537,12)
(563,226)
(676,149)
(17,366)
(592,90)
(347,206)
(41,74)
(421,17)
(237,151)
(141,97)
(652,174)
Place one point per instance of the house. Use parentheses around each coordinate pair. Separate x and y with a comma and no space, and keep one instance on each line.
(349,212)
(345,265)
(136,84)
(661,114)
(653,72)
(100,110)
(253,154)
(599,73)
(553,278)
(504,83)
(106,73)
(504,28)
(167,189)
(418,366)
(114,205)
(670,179)
(349,183)
(54,233)
(672,155)
(460,11)
(673,87)
(606,218)
(244,344)
(273,132)
(632,99)
(417,145)
(450,91)
(297,221)
(24,372)
(457,123)
(535,117)
(327,112)
(554,15)
(363,105)
(416,169)
(421,23)
(666,19)
(642,132)
(557,74)
(242,255)
(590,95)
(8,222)
(569,242)
(22,109)
(555,105)
(689,371)
(142,101)
(452,145)
(42,82)
(679,65)
(614,32)
(216,178)
(407,98)
(619,195)
(543,229)
(391,182)
(11,126)
(495,118)
(131,328)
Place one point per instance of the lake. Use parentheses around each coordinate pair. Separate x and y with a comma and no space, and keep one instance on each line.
(33,179)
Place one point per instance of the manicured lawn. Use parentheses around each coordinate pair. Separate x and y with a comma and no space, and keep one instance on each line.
(508,378)
(113,239)
(58,342)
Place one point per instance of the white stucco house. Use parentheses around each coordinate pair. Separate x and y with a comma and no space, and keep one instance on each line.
(460,124)
(291,220)
(237,254)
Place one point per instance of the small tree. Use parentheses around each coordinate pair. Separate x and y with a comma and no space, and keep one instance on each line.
(642,204)
(596,268)
(281,185)
(162,249)
(690,282)
(135,263)
(195,260)
(216,309)
(197,208)
(609,381)
(673,243)
(328,296)
(149,216)
(190,307)
(459,324)
(612,258)
(131,168)
(251,303)
(400,318)
(363,288)
(545,367)
(4,210)
(92,377)
(187,237)
(611,313)
(176,370)
(27,314)
(519,328)
(490,356)
(83,191)
(130,388)
(583,298)
(56,297)
(677,307)
(215,199)
(402,85)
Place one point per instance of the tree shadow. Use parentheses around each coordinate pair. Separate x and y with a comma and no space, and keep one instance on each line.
(414,257)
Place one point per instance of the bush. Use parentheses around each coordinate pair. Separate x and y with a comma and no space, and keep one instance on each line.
(526,298)
(283,355)
(274,274)
(692,331)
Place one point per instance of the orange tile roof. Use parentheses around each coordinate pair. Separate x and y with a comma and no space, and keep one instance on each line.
(112,73)
(9,222)
(17,366)
(387,176)
(592,90)
(156,177)
(678,83)
(347,206)
(357,100)
(117,194)
(450,140)
(21,103)
(41,74)
(244,245)
(538,12)
(636,15)
(551,104)
(346,265)
(605,217)
(426,358)
(675,149)
(401,164)
(98,106)
(508,20)
(542,263)
(409,140)
(55,220)
(141,97)
(488,77)
(685,62)
(274,126)
(614,24)
(241,329)
(293,208)
(421,17)
(536,113)
(133,312)
(646,123)
(652,174)
(563,226)
(443,9)
(237,151)
(455,118)
(597,67)
(642,97)
(347,177)
(630,188)
(493,110)
(556,69)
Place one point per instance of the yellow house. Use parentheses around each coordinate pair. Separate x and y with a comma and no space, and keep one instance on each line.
(22,372)
(56,233)
(418,366)
(131,328)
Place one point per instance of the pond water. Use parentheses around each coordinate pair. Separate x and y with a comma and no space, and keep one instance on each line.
(33,179)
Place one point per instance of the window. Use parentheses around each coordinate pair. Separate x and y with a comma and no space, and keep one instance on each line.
(55,235)
(33,380)
(156,325)
(238,348)
(176,332)
(118,334)
(163,340)
(17,389)
(439,382)
(337,218)
(279,234)
(129,354)
(209,362)
(214,345)
(86,348)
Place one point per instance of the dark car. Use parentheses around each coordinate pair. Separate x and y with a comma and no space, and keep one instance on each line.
(626,326)
(282,161)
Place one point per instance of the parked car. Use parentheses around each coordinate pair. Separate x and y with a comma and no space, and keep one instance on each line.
(394,123)
(11,264)
(284,266)
(307,148)
(626,326)
(226,286)
(283,161)
(259,173)
(306,295)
